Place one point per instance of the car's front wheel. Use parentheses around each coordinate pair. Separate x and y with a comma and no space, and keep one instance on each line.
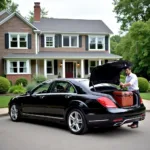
(76,122)
(15,112)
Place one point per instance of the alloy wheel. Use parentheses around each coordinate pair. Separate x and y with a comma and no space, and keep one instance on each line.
(14,112)
(75,121)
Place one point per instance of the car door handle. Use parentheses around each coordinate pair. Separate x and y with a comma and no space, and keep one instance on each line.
(41,97)
(68,96)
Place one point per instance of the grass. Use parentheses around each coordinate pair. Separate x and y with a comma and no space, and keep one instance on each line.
(145,95)
(4,100)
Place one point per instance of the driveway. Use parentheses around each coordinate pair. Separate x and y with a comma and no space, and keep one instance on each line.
(44,136)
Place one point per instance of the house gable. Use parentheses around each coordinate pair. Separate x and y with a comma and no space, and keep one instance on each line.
(18,16)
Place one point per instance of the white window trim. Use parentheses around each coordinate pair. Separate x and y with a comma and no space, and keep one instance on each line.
(18,61)
(49,35)
(18,35)
(96,36)
(70,35)
(52,61)
(89,64)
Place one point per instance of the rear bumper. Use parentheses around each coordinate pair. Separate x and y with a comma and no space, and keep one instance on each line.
(116,117)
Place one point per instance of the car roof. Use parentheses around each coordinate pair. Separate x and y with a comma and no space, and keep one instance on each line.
(68,79)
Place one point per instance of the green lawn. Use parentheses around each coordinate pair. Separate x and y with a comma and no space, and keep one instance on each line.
(4,100)
(145,95)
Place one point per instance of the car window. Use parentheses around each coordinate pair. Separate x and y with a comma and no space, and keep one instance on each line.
(42,89)
(62,87)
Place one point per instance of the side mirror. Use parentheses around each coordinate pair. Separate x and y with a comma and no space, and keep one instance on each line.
(28,93)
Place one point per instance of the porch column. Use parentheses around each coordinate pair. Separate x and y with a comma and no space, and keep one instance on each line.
(45,68)
(82,68)
(100,62)
(36,67)
(63,68)
(36,48)
(7,66)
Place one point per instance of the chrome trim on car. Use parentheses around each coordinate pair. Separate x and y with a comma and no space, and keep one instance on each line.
(51,117)
(98,120)
(123,122)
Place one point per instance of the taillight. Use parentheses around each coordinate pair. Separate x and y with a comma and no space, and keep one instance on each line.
(106,102)
(141,102)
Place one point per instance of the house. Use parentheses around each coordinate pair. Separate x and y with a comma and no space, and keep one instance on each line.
(52,47)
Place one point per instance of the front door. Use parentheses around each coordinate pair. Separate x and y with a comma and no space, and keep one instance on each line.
(69,69)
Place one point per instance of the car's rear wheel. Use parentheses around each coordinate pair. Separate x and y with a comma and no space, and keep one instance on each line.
(76,122)
(15,112)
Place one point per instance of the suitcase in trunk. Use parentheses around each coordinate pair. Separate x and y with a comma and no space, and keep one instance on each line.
(124,98)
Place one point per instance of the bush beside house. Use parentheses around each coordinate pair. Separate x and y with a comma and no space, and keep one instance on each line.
(143,84)
(4,85)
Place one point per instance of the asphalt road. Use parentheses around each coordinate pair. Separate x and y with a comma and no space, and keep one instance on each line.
(40,136)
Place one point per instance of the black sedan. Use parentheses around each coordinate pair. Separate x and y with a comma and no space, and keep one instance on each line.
(79,103)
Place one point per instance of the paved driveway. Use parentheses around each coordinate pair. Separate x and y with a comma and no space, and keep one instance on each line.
(35,136)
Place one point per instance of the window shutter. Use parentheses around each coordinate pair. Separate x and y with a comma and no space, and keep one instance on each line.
(87,43)
(6,40)
(80,40)
(29,41)
(60,40)
(57,40)
(86,66)
(42,40)
(106,43)
(55,67)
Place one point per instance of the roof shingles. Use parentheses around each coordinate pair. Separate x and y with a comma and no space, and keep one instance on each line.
(72,26)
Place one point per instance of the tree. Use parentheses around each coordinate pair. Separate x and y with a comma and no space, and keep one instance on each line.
(3,4)
(135,46)
(44,14)
(114,41)
(129,11)
(12,7)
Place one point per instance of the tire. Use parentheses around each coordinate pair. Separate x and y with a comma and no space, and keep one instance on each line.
(14,113)
(76,122)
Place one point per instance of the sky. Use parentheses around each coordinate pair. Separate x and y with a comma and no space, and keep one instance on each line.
(75,9)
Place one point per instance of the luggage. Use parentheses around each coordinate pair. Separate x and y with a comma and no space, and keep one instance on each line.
(124,98)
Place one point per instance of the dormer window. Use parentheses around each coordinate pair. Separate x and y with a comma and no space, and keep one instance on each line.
(49,41)
(70,41)
(96,42)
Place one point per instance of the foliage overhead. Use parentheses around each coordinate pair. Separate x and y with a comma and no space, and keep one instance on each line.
(135,46)
(129,11)
(3,4)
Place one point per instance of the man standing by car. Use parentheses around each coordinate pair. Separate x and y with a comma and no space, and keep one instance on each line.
(131,83)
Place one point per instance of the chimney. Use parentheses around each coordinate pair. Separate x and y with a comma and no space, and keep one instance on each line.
(37,11)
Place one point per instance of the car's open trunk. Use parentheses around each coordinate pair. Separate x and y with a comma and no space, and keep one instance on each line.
(109,89)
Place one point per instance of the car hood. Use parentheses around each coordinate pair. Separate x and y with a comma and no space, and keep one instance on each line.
(108,73)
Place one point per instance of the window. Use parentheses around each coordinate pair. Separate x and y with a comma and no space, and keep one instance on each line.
(62,87)
(18,40)
(17,67)
(97,42)
(70,40)
(49,41)
(49,67)
(92,65)
(43,88)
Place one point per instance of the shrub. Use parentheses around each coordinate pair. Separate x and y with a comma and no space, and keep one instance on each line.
(122,78)
(143,84)
(21,81)
(10,82)
(39,78)
(17,89)
(30,86)
(4,85)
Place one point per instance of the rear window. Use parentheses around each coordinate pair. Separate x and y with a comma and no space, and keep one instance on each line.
(85,83)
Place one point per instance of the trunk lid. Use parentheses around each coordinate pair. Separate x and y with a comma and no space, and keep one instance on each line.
(108,73)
